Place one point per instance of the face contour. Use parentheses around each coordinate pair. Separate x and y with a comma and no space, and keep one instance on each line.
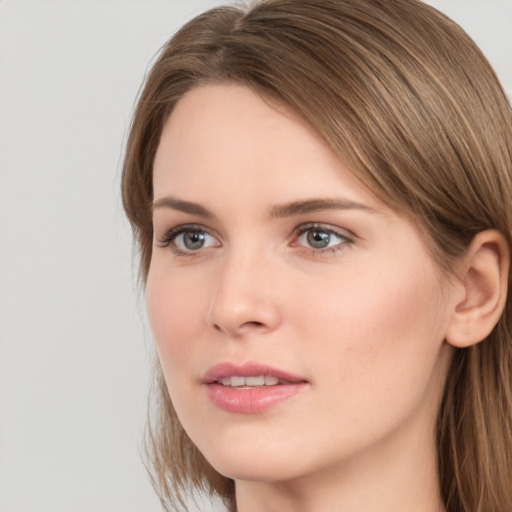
(273,265)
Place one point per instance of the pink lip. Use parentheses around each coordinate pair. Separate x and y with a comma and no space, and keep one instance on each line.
(249,369)
(250,400)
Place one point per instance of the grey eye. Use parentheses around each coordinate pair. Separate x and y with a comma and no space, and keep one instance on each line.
(318,239)
(194,240)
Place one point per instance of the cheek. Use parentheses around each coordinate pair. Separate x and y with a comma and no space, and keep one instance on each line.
(176,311)
(407,314)
(372,343)
(377,330)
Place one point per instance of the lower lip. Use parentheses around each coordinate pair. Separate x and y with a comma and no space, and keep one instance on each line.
(251,400)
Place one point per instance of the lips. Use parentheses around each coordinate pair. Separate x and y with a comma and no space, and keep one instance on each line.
(250,388)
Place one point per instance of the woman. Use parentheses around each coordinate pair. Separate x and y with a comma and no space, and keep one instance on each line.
(321,194)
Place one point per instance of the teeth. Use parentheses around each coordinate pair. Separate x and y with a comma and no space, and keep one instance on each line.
(256,381)
(237,381)
(270,380)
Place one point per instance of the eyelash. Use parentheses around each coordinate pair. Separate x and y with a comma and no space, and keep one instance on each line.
(169,238)
(305,228)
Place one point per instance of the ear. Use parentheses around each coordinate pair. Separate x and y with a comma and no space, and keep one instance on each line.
(482,290)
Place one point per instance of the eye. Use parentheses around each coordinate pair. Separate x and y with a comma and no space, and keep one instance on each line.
(188,239)
(321,237)
(193,240)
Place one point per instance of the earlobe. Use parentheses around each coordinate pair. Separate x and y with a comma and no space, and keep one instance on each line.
(482,290)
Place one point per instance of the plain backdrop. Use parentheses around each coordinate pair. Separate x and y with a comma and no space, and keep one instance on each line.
(75,350)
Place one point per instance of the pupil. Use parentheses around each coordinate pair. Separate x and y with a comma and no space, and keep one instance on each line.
(319,239)
(193,240)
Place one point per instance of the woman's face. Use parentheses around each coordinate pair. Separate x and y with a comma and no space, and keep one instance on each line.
(300,323)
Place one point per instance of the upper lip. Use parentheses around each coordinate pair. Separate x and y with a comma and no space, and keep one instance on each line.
(250,369)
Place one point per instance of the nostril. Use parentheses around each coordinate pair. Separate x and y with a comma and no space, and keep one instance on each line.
(252,324)
(242,328)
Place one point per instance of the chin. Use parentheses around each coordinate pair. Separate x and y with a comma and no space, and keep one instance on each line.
(255,458)
(262,470)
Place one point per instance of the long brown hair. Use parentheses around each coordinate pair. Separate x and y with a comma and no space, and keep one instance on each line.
(405,99)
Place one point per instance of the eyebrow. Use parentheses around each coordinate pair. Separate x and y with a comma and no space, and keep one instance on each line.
(278,211)
(316,205)
(182,206)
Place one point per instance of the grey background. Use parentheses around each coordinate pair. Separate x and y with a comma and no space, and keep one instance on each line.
(74,346)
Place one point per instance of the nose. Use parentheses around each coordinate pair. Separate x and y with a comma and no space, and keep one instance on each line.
(245,298)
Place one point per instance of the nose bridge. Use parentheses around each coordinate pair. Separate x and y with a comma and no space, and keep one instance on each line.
(243,299)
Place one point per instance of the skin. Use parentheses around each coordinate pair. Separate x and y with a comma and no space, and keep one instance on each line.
(363,320)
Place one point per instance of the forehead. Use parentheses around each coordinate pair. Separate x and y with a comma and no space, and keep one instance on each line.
(228,136)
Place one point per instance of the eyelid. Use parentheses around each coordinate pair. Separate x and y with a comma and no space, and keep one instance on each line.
(341,232)
(345,235)
(170,235)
